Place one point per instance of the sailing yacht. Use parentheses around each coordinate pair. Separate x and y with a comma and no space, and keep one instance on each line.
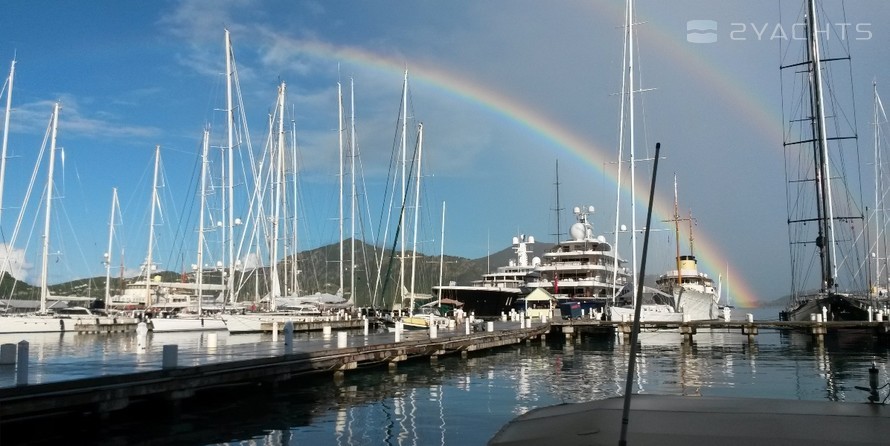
(823,210)
(64,319)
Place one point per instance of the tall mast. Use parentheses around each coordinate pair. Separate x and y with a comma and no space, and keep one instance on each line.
(633,184)
(107,262)
(278,166)
(822,171)
(151,229)
(352,146)
(621,131)
(404,186)
(199,273)
(416,209)
(340,130)
(442,256)
(230,186)
(44,287)
(879,187)
(677,231)
(6,132)
(294,271)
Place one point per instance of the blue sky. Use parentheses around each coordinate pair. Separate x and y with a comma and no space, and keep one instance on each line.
(131,76)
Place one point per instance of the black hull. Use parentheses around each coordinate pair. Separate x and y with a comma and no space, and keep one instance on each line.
(482,302)
(839,308)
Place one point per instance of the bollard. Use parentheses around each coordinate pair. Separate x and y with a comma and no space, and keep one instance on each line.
(398,331)
(824,313)
(171,356)
(7,354)
(288,337)
(870,314)
(750,318)
(489,326)
(467,327)
(726,311)
(819,319)
(522,323)
(879,317)
(365,326)
(275,331)
(503,317)
(211,340)
(544,319)
(341,339)
(433,330)
(21,370)
(326,331)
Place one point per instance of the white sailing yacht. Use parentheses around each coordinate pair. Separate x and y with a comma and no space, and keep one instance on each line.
(43,321)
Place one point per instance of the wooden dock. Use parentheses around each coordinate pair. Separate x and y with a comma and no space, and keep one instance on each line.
(747,328)
(106,325)
(21,405)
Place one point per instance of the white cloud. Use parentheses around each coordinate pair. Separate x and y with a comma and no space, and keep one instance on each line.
(13,260)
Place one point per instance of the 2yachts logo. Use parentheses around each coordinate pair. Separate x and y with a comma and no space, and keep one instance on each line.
(705,31)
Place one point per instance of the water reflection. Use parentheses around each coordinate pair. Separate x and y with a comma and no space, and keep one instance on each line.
(458,400)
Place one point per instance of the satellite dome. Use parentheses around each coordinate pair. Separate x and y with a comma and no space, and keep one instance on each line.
(601,239)
(578,231)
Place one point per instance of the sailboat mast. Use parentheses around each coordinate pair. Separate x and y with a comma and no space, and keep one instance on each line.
(441,256)
(228,195)
(677,231)
(108,252)
(151,229)
(278,166)
(879,208)
(352,145)
(416,209)
(340,131)
(294,270)
(404,182)
(6,132)
(620,155)
(44,287)
(630,99)
(822,171)
(199,273)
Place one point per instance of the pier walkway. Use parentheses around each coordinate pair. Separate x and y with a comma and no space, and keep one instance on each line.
(172,373)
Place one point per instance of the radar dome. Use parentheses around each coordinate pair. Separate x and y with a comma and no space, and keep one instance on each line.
(601,239)
(623,228)
(536,261)
(578,231)
(576,210)
(531,239)
(515,240)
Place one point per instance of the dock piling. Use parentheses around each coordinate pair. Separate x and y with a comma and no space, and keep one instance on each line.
(171,357)
(21,370)
(341,339)
(288,337)
(7,354)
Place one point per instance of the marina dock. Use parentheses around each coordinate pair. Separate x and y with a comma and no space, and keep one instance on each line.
(215,368)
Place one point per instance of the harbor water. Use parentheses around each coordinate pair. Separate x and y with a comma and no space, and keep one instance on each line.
(454,400)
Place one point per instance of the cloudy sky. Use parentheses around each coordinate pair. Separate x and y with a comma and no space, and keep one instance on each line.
(505,90)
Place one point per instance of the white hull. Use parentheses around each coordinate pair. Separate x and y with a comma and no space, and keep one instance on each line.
(648,313)
(163,324)
(698,305)
(49,324)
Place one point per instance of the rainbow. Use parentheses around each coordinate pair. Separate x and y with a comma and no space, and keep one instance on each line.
(520,114)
